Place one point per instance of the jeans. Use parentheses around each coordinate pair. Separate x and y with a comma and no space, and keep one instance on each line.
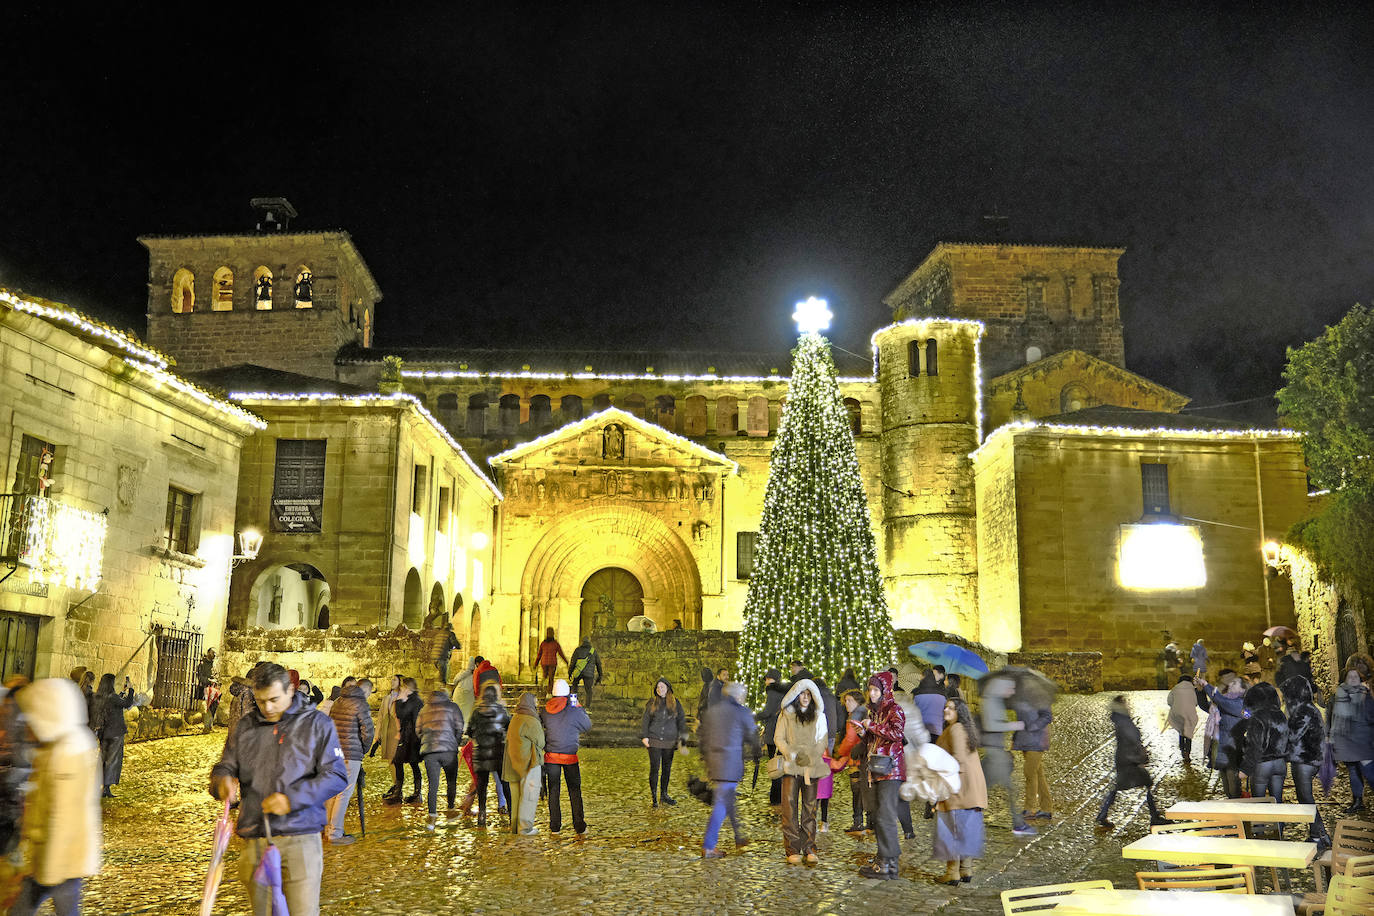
(1268,779)
(798,815)
(524,799)
(554,774)
(448,763)
(1111,797)
(722,806)
(442,665)
(1356,771)
(483,777)
(66,897)
(889,842)
(1302,785)
(660,758)
(1037,786)
(399,770)
(583,688)
(861,796)
(997,772)
(336,809)
(302,863)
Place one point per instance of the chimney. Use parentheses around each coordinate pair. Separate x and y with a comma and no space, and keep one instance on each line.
(274,213)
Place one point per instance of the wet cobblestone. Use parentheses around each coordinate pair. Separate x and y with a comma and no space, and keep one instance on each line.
(635,859)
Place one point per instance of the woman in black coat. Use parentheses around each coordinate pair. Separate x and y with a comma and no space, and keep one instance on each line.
(407,711)
(1131,758)
(1264,742)
(1306,734)
(110,708)
(487,729)
(661,728)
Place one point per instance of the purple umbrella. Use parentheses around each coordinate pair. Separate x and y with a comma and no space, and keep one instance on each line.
(268,873)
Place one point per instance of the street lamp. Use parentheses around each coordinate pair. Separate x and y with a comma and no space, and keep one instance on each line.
(250,542)
(1272,554)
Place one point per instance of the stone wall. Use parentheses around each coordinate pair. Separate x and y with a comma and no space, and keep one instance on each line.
(633,662)
(1333,620)
(1074,672)
(326,657)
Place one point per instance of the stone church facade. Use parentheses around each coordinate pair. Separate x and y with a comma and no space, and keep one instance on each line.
(1008,453)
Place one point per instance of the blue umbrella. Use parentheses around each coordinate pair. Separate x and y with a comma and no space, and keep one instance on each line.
(956,659)
(268,873)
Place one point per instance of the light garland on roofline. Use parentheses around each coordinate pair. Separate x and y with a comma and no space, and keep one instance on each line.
(607,376)
(123,341)
(162,376)
(362,398)
(619,416)
(1127,432)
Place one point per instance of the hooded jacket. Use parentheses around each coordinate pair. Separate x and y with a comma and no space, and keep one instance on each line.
(564,723)
(1231,710)
(930,700)
(298,756)
(1036,735)
(887,726)
(1291,666)
(1130,751)
(803,745)
(1183,709)
(487,729)
(524,741)
(663,722)
(726,730)
(1264,738)
(585,662)
(1306,731)
(353,720)
(440,725)
(62,813)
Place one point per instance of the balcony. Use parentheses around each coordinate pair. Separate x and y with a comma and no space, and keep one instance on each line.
(59,543)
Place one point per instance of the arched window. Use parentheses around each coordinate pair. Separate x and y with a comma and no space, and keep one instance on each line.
(635,404)
(758,416)
(224,290)
(913,359)
(448,410)
(509,415)
(262,289)
(570,406)
(694,416)
(477,415)
(183,292)
(665,411)
(600,402)
(727,416)
(856,417)
(541,413)
(932,358)
(305,288)
(1074,396)
(1034,354)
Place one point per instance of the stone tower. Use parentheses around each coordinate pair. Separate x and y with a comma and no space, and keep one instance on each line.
(1035,300)
(928,380)
(274,298)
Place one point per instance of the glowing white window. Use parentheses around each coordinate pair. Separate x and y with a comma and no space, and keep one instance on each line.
(1161,556)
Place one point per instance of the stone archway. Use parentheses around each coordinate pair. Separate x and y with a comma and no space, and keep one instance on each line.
(287,595)
(583,543)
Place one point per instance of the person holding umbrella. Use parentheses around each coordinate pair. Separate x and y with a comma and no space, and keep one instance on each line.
(283,758)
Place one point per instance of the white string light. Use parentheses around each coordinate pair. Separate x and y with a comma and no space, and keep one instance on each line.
(68,316)
(1127,432)
(528,375)
(64,545)
(613,414)
(362,399)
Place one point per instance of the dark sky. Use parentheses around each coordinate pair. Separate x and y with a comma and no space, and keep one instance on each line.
(678,174)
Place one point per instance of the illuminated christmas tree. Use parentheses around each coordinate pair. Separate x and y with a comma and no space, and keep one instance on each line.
(816,593)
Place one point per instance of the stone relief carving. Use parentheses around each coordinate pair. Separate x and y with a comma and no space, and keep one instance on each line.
(613,442)
(126,487)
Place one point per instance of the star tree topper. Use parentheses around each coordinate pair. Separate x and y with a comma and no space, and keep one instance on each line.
(812,316)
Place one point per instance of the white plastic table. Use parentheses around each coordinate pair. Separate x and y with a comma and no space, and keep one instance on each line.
(1171,903)
(1226,809)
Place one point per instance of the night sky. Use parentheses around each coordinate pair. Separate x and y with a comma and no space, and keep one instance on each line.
(678,174)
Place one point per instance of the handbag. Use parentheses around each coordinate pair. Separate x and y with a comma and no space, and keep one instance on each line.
(775,767)
(881,765)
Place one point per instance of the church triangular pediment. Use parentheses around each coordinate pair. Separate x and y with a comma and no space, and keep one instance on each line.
(614,439)
(1084,364)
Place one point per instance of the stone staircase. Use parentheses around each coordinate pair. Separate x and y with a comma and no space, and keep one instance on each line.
(615,720)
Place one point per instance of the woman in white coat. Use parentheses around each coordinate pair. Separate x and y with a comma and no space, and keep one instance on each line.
(801,738)
(62,811)
(1183,715)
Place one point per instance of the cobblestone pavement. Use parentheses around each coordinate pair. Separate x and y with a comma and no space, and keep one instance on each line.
(634,859)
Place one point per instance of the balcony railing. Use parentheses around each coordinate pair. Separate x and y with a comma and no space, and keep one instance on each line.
(59,543)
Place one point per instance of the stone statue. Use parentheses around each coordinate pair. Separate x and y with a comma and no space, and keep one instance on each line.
(605,614)
(613,442)
(264,288)
(305,287)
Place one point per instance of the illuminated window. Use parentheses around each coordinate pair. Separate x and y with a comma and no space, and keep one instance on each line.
(305,288)
(1154,485)
(1034,354)
(745,542)
(183,292)
(224,290)
(262,289)
(441,522)
(36,459)
(177,532)
(932,358)
(1161,556)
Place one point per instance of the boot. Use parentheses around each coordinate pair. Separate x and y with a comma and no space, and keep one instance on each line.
(668,801)
(880,869)
(951,876)
(965,871)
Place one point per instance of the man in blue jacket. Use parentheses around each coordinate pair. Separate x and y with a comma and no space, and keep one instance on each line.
(727,727)
(283,759)
(564,723)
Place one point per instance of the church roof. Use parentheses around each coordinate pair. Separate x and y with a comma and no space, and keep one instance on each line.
(1131,418)
(248,377)
(1009,380)
(626,362)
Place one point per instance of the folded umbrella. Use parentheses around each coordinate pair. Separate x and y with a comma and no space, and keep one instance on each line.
(955,659)
(362,819)
(268,873)
(224,829)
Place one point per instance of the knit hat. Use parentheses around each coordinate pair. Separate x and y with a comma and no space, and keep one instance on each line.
(560,688)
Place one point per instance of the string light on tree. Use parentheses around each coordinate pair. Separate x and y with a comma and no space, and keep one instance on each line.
(816,592)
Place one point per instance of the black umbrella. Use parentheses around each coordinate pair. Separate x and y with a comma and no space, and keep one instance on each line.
(362,820)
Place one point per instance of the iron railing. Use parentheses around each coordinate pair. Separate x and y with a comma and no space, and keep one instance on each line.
(14,526)
(178,651)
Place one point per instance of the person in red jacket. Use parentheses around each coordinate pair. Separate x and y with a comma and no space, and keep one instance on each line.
(883,732)
(849,755)
(549,654)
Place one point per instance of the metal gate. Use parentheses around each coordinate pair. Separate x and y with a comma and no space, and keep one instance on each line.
(18,644)
(178,651)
